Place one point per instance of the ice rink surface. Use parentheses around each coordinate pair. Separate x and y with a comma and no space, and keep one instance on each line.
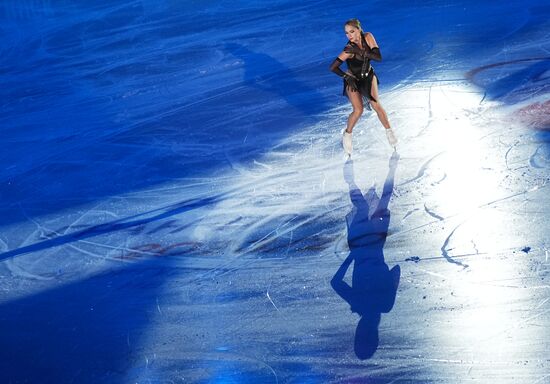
(176,207)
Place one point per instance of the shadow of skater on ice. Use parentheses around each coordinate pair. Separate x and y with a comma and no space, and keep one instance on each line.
(374,285)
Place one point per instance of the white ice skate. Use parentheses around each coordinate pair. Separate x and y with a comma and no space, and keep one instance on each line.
(347,144)
(391,137)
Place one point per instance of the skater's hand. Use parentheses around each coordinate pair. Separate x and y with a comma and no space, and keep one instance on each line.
(351,75)
(351,82)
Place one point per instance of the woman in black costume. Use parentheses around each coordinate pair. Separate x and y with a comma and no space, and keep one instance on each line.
(360,80)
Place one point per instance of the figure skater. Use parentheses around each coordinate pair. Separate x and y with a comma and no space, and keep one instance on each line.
(360,80)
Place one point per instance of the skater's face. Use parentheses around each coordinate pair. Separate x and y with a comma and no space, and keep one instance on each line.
(352,33)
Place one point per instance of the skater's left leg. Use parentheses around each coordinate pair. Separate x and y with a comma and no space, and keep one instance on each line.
(382,116)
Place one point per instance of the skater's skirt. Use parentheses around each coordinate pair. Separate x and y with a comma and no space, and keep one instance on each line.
(364,85)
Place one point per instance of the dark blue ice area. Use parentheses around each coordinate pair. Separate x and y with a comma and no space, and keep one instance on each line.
(84,331)
(174,207)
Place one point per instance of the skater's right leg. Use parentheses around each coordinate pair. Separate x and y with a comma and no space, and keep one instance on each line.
(357,103)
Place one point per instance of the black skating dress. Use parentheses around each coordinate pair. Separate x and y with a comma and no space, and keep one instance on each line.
(363,71)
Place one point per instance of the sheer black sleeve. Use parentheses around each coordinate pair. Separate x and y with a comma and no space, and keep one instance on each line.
(335,67)
(374,54)
(351,80)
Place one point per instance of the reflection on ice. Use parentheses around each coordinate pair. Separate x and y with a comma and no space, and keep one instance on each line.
(374,285)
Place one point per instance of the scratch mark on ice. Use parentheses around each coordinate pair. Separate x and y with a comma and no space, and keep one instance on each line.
(440,180)
(483,98)
(508,152)
(158,306)
(289,243)
(263,165)
(475,247)
(444,249)
(269,297)
(542,303)
(408,214)
(432,214)
(422,169)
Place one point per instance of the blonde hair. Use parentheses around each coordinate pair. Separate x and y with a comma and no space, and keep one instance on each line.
(354,23)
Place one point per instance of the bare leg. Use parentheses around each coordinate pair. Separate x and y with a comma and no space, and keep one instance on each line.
(357,104)
(382,116)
